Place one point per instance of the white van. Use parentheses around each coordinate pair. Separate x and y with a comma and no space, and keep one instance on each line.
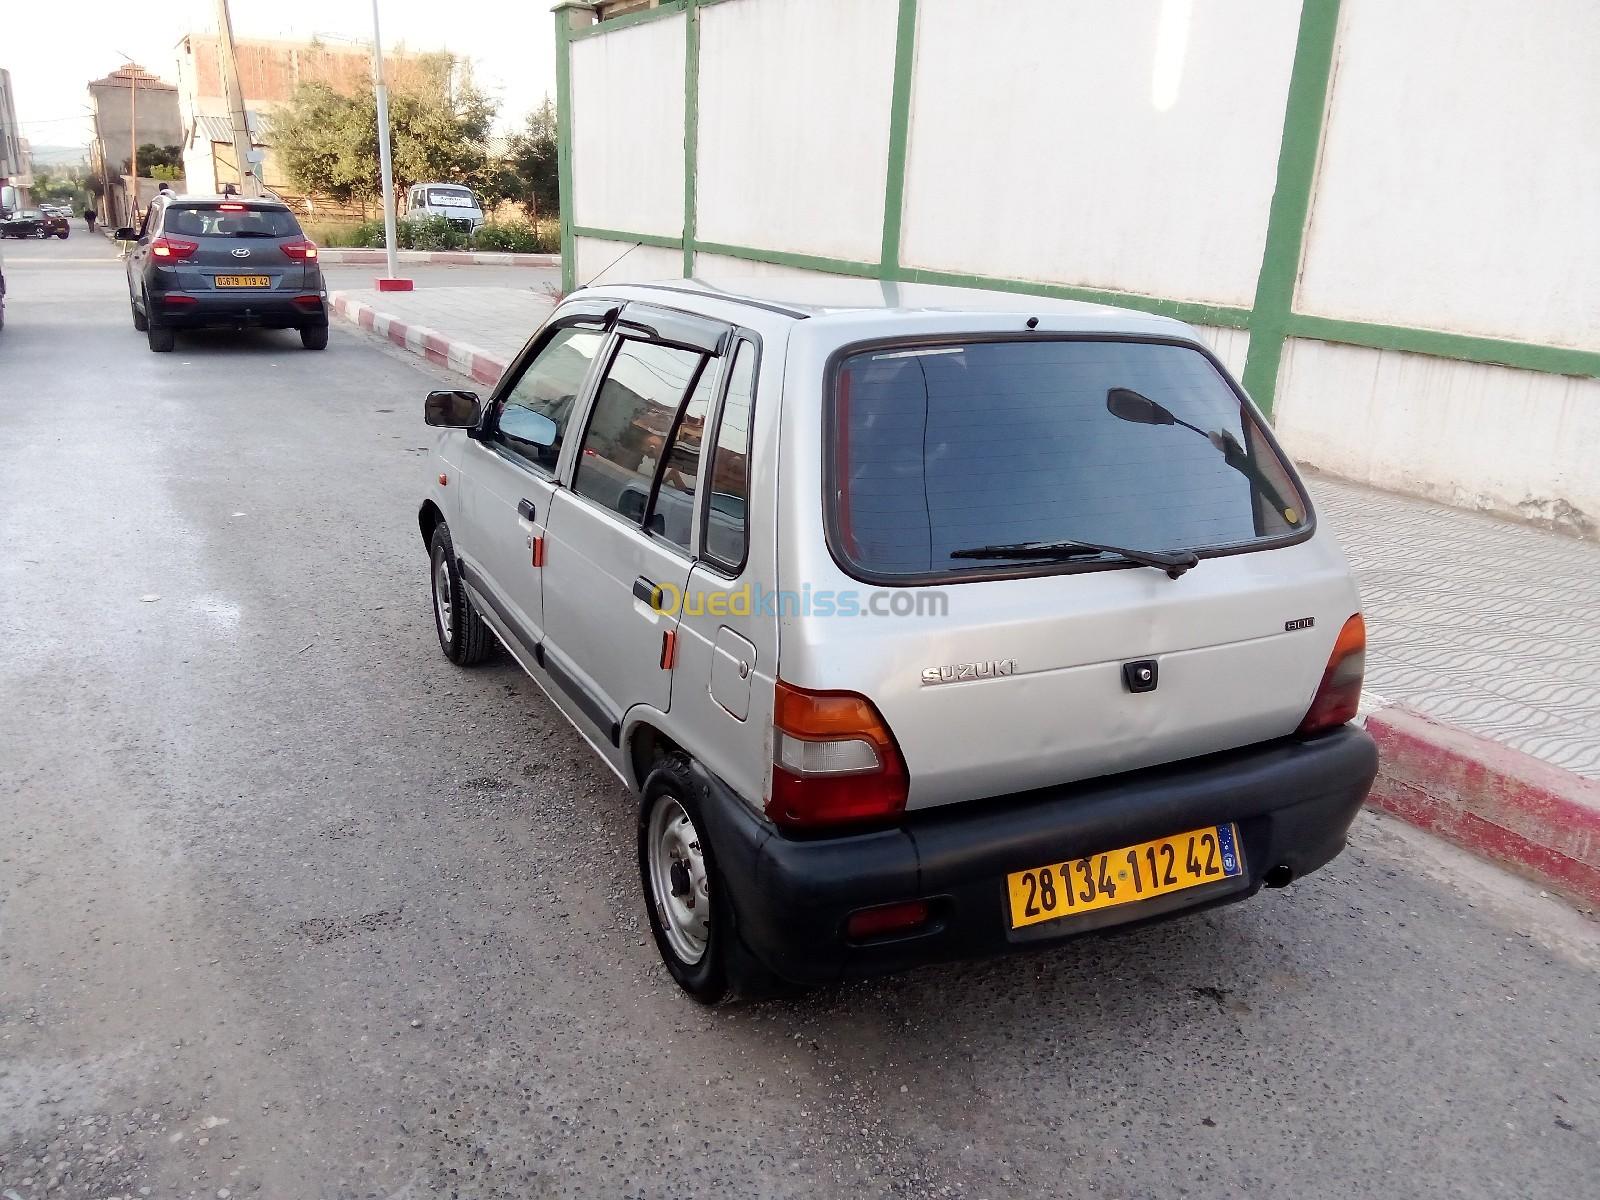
(926,623)
(455,203)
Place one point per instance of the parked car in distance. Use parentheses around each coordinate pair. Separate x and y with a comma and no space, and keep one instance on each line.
(925,626)
(202,262)
(23,223)
(455,203)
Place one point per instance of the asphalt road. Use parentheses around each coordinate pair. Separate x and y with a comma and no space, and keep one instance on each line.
(290,907)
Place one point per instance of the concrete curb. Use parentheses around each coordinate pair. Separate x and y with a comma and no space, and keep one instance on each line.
(460,258)
(1509,807)
(459,356)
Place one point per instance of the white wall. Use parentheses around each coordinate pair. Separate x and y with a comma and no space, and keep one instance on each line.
(1124,144)
(1460,178)
(627,128)
(793,147)
(1493,438)
(615,262)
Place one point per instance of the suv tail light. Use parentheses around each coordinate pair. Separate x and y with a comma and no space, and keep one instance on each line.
(1339,694)
(301,250)
(834,761)
(173,248)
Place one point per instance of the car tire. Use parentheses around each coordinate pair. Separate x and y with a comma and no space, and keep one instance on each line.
(63,234)
(314,337)
(463,636)
(160,337)
(139,322)
(678,872)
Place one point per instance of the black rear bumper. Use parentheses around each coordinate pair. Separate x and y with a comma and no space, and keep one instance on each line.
(243,310)
(1293,801)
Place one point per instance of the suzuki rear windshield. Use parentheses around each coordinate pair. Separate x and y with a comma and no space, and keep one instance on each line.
(220,220)
(989,456)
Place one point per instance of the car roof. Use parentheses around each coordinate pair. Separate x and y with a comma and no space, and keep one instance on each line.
(207,198)
(832,296)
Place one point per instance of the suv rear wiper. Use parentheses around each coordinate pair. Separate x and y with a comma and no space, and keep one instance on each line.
(1173,562)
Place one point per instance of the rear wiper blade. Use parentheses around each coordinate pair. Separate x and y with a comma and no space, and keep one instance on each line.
(1173,562)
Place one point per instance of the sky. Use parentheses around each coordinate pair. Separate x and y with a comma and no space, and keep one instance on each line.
(52,52)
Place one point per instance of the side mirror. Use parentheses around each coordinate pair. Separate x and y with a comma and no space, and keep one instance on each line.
(1129,405)
(528,426)
(127,234)
(452,410)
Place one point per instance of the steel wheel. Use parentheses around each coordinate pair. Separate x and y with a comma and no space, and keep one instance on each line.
(679,887)
(443,600)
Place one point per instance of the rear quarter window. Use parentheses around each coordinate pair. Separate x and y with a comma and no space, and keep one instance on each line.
(941,449)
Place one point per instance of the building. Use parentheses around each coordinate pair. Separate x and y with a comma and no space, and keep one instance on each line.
(131,108)
(1400,263)
(270,72)
(16,169)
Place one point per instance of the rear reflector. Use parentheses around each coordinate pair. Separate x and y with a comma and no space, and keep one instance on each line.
(1338,697)
(834,761)
(173,300)
(308,301)
(885,919)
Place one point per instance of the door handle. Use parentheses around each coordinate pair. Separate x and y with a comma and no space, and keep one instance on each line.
(644,590)
(525,510)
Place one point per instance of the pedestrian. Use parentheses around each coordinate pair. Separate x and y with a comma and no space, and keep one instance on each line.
(165,187)
(88,218)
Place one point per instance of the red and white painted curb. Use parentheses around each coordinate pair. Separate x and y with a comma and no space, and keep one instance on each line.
(459,356)
(1538,820)
(459,258)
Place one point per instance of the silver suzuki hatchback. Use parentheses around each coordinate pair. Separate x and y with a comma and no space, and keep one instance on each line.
(926,623)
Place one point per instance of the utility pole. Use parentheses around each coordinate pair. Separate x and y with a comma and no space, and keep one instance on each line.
(392,282)
(249,182)
(132,69)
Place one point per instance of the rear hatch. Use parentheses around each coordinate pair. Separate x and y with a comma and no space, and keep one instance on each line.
(239,247)
(1112,565)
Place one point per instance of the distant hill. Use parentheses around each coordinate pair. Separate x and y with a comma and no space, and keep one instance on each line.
(59,156)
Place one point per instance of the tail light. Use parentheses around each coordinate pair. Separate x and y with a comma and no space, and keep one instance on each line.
(172,248)
(1339,694)
(834,761)
(300,251)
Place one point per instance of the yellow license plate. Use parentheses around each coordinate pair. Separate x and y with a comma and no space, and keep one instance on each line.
(1134,873)
(243,281)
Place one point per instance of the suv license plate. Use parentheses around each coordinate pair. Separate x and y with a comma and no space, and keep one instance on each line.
(1125,876)
(243,281)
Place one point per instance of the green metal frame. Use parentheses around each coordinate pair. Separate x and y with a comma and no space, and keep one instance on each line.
(1270,319)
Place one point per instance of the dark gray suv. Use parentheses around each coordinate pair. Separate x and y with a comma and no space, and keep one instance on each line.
(206,262)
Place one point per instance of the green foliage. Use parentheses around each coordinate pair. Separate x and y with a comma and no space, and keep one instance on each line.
(328,143)
(517,237)
(51,188)
(528,173)
(428,233)
(152,156)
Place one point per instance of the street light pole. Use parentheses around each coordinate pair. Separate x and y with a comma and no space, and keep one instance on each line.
(393,282)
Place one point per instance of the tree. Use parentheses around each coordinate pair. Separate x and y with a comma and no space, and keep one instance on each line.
(328,142)
(152,156)
(529,173)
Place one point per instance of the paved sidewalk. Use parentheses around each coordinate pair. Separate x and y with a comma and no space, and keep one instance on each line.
(1476,622)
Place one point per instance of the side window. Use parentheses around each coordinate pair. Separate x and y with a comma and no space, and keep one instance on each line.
(533,415)
(152,219)
(727,536)
(673,514)
(633,416)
